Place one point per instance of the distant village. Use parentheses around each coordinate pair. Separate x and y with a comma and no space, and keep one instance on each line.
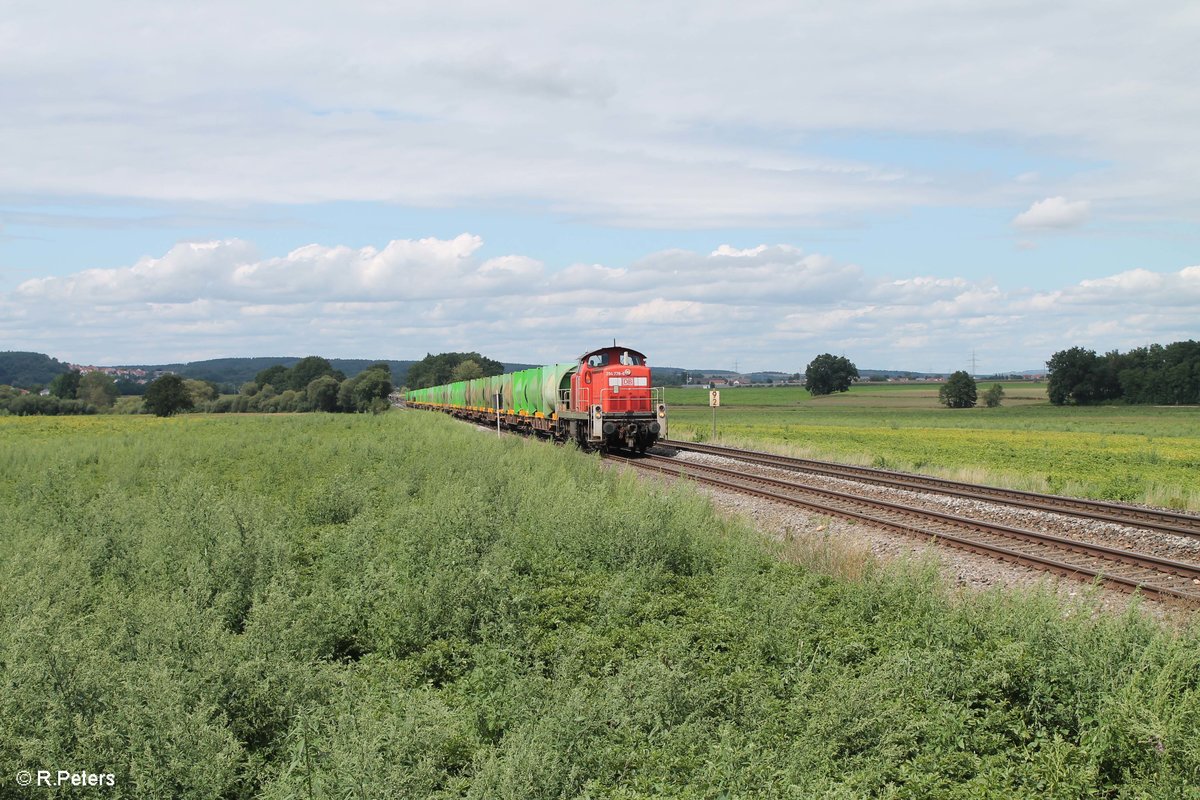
(127,374)
(133,375)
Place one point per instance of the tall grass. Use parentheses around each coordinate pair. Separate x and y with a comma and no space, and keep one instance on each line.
(397,606)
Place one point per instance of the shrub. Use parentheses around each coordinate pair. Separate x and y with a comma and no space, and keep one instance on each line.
(993,396)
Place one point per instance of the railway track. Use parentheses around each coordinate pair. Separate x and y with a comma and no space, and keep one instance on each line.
(1126,570)
(1159,520)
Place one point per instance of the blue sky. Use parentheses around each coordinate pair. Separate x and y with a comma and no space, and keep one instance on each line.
(905,184)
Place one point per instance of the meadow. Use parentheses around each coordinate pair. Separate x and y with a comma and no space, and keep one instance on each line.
(313,606)
(1118,452)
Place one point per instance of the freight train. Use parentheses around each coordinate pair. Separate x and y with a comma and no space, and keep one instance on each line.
(602,401)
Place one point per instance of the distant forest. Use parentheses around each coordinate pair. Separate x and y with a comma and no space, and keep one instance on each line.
(1154,375)
(230,373)
(29,369)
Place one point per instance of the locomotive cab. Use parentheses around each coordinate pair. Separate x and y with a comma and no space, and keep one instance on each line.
(612,387)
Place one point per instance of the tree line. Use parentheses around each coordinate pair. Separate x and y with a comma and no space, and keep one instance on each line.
(70,392)
(436,370)
(312,384)
(1155,374)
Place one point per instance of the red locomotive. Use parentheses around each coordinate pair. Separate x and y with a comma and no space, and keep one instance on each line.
(611,390)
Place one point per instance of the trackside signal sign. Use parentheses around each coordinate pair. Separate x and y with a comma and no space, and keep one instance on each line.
(714,398)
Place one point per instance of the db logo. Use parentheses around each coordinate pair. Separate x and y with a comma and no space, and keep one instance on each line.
(628,372)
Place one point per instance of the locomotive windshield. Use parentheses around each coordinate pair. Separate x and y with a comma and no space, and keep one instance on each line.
(626,358)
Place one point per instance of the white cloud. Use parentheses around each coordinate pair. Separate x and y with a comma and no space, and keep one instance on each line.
(693,116)
(1164,290)
(733,252)
(672,312)
(1054,212)
(767,306)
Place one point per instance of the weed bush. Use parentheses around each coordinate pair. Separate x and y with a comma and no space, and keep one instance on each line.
(399,606)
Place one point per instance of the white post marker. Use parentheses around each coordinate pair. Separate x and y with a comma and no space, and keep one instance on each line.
(714,400)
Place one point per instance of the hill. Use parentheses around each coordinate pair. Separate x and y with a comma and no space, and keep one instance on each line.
(233,372)
(24,369)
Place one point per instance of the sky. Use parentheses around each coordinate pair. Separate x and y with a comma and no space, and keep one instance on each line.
(912,184)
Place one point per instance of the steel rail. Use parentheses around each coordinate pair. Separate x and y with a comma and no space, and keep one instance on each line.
(835,503)
(1118,513)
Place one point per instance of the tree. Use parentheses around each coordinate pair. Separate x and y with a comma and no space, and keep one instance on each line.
(323,393)
(371,385)
(345,395)
(289,400)
(98,389)
(1160,375)
(467,370)
(166,396)
(276,376)
(436,370)
(828,373)
(993,396)
(199,391)
(65,386)
(306,371)
(958,391)
(1081,377)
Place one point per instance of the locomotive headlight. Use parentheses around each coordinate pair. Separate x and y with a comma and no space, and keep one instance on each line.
(596,410)
(662,410)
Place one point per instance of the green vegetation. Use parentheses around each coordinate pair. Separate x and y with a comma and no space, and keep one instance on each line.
(365,392)
(994,396)
(167,396)
(1130,453)
(828,373)
(170,394)
(230,373)
(18,403)
(451,367)
(65,385)
(1148,375)
(959,391)
(24,369)
(36,370)
(400,606)
(98,389)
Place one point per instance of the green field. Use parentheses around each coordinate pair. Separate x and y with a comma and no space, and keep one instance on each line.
(1130,453)
(318,606)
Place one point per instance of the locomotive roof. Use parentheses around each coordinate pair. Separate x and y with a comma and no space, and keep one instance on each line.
(606,348)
